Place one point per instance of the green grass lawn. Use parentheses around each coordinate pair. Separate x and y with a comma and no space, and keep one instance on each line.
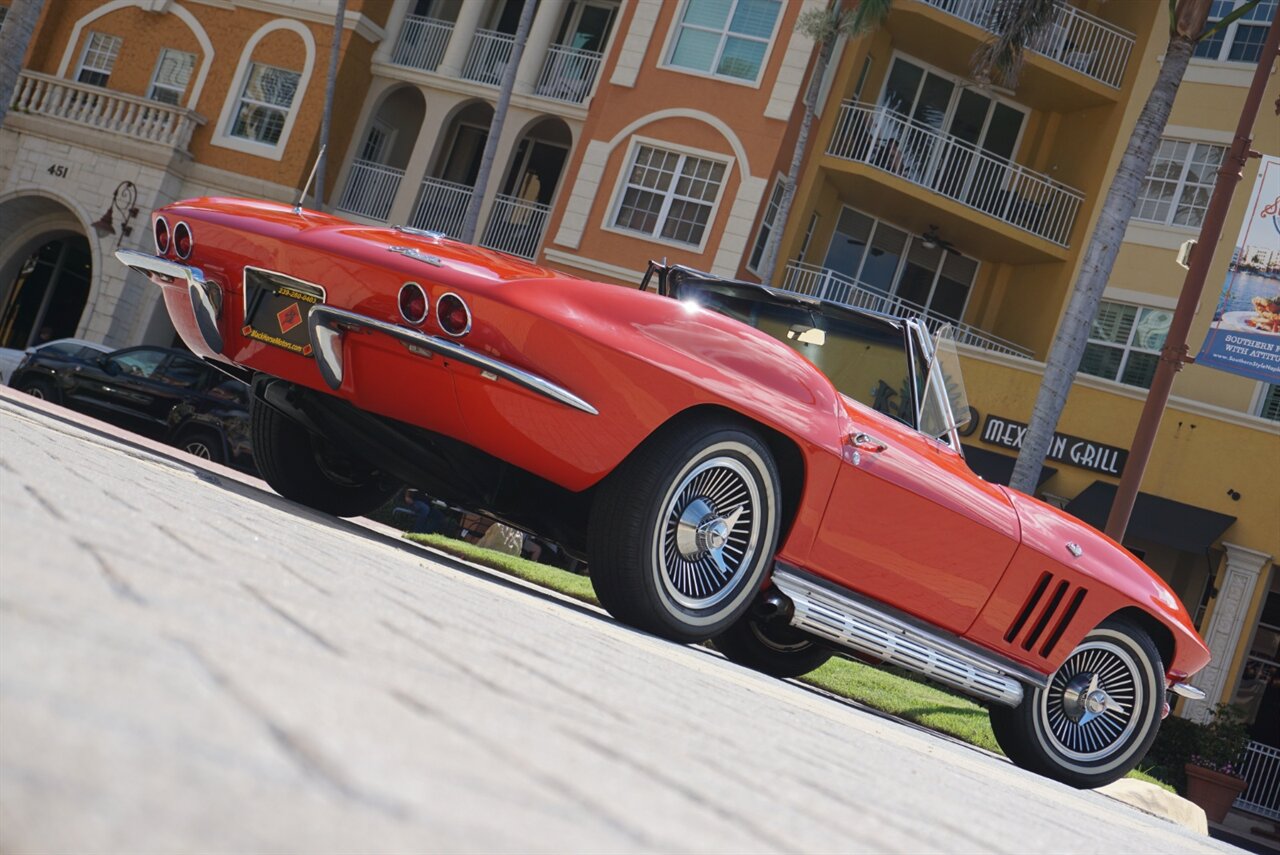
(883,689)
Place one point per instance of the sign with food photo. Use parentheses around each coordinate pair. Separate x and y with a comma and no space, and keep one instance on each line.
(1244,337)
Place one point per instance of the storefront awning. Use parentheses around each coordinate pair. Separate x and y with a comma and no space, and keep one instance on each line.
(1175,524)
(998,468)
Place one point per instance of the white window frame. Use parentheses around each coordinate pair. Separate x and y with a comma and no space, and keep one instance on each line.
(766,224)
(1229,37)
(388,144)
(1180,187)
(155,84)
(244,98)
(113,54)
(1126,348)
(620,190)
(673,34)
(1263,391)
(231,104)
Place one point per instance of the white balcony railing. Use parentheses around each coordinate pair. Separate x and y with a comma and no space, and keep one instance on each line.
(956,169)
(489,54)
(371,188)
(515,226)
(1262,771)
(104,110)
(827,284)
(568,74)
(422,42)
(441,206)
(1074,38)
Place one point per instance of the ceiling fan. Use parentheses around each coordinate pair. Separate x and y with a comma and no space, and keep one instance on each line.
(930,239)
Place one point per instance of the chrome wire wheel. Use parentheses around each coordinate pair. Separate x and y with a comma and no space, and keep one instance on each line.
(1094,702)
(708,532)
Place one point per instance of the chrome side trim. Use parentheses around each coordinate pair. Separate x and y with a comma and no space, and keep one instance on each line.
(326,324)
(837,617)
(1187,691)
(205,296)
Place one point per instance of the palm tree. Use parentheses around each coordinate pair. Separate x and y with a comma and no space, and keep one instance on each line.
(327,116)
(1186,28)
(472,216)
(15,36)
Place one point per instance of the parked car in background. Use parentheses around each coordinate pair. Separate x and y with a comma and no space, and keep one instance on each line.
(72,349)
(160,392)
(773,472)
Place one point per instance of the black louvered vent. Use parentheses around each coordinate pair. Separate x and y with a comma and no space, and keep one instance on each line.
(1043,604)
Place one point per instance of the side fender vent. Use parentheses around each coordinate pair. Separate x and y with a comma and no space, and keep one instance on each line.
(1044,603)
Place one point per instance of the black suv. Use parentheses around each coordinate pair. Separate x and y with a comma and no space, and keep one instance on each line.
(159,392)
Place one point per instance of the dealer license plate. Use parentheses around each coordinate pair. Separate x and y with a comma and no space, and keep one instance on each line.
(276,307)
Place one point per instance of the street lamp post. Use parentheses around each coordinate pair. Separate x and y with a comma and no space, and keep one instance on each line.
(1174,353)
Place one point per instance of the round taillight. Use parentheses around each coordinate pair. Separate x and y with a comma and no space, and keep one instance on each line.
(162,235)
(182,240)
(413,303)
(453,315)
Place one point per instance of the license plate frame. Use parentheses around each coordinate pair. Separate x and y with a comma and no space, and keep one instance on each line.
(276,307)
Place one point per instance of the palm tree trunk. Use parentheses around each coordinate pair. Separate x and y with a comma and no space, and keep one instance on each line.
(472,216)
(1100,255)
(769,257)
(15,37)
(327,116)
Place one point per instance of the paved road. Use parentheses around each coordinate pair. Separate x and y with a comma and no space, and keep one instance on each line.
(189,662)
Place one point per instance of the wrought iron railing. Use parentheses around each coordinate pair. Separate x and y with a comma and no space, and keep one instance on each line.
(827,284)
(1262,771)
(515,226)
(104,110)
(955,168)
(1074,38)
(490,51)
(371,188)
(422,42)
(568,74)
(441,206)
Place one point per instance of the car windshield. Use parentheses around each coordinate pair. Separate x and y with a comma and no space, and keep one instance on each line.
(865,357)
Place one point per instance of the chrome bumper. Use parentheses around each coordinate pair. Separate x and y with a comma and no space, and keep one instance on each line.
(1188,691)
(327,325)
(205,296)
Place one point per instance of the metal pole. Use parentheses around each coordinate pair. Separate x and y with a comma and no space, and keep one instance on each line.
(1174,353)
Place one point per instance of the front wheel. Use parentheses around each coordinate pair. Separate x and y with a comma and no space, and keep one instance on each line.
(682,532)
(1099,715)
(42,389)
(312,471)
(206,446)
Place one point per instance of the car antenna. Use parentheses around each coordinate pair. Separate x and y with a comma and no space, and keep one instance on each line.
(297,206)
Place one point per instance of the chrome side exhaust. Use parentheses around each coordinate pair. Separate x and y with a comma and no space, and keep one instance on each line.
(847,622)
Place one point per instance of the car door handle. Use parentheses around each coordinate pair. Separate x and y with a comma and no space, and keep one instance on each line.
(867,442)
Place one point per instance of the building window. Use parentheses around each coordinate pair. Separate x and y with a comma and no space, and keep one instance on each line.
(808,237)
(265,103)
(173,71)
(1124,343)
(766,226)
(727,38)
(1269,406)
(1177,189)
(669,195)
(1241,40)
(100,52)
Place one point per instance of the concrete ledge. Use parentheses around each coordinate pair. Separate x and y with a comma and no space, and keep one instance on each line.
(1158,802)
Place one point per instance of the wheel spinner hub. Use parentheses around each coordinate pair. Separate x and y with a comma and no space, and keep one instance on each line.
(700,530)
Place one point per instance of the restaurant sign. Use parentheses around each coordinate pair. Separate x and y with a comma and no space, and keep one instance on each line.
(1065,448)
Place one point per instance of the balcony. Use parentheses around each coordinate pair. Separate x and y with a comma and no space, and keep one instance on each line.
(422,42)
(515,226)
(489,54)
(371,188)
(947,165)
(441,206)
(1075,39)
(568,74)
(826,284)
(101,109)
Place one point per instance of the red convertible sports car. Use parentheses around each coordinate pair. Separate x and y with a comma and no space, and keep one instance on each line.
(776,473)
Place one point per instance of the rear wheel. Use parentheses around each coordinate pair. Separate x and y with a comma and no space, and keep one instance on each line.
(312,471)
(771,647)
(1099,714)
(42,389)
(203,444)
(682,532)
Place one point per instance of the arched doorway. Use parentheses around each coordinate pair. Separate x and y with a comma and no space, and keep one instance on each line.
(523,204)
(383,153)
(46,295)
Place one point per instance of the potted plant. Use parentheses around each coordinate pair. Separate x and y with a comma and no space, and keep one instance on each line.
(1213,770)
